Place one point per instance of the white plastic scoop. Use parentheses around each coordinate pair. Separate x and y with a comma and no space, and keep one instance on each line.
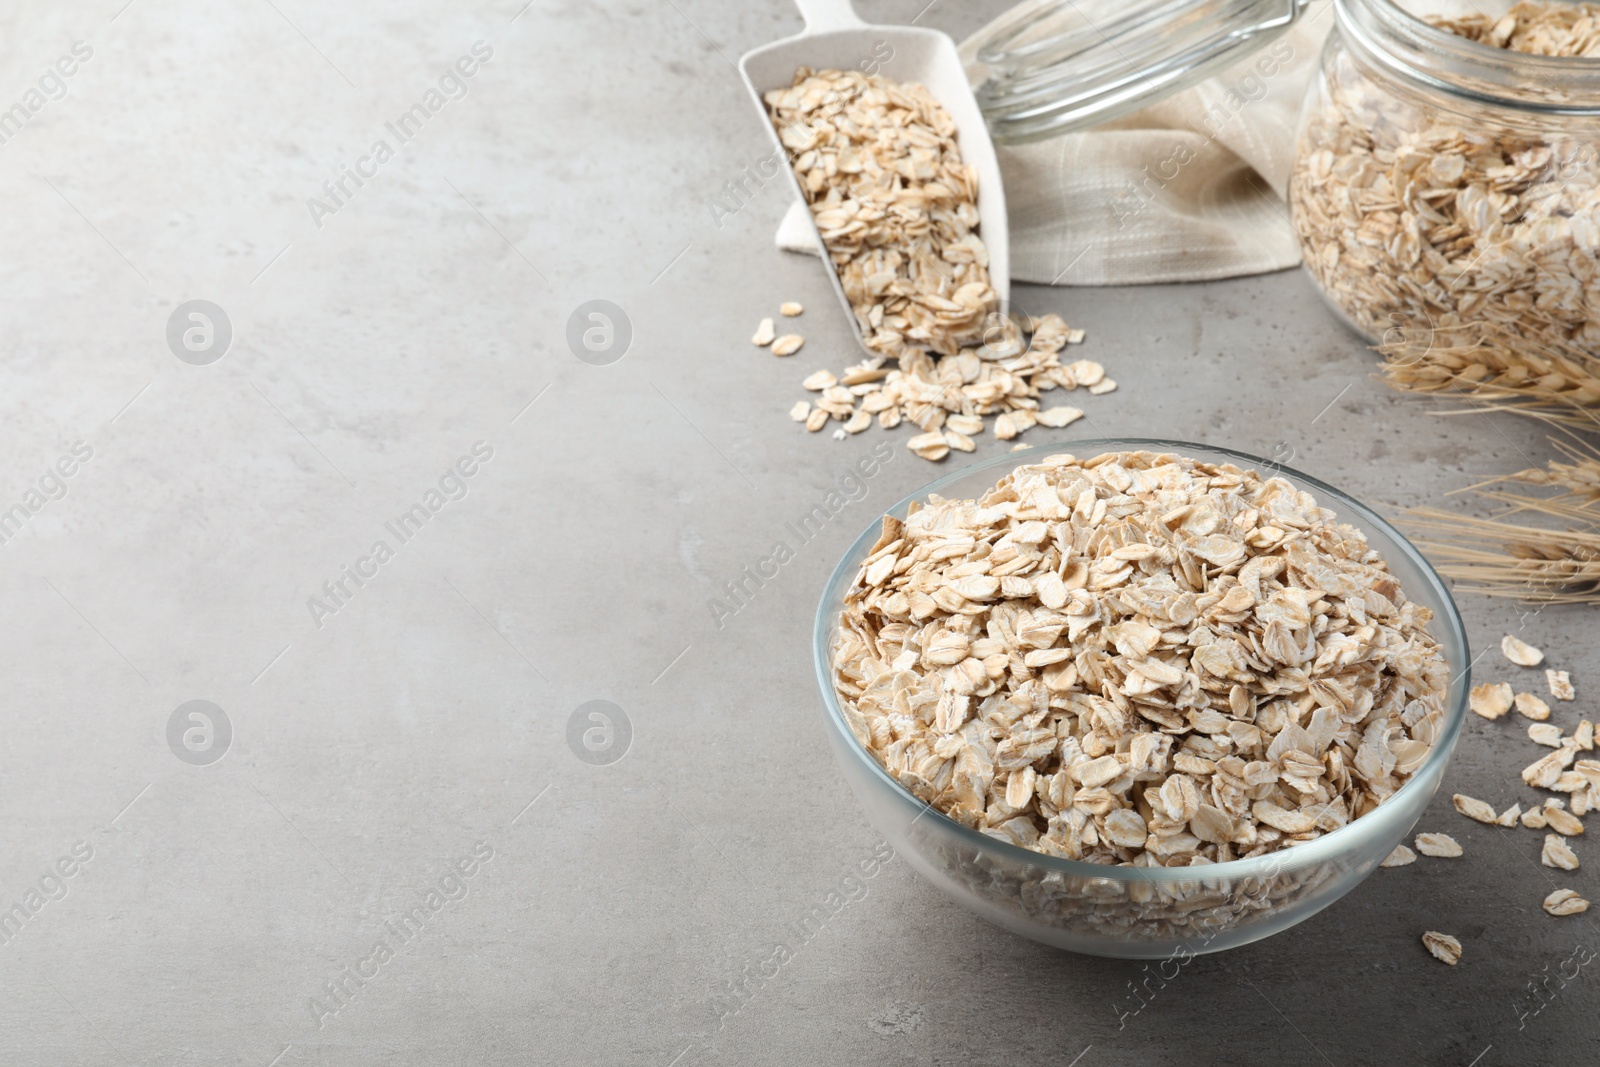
(835,39)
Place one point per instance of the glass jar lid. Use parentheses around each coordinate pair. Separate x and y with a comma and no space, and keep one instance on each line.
(1061,65)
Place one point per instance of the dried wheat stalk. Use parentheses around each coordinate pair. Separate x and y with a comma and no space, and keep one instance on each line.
(1580,478)
(1498,557)
(1488,363)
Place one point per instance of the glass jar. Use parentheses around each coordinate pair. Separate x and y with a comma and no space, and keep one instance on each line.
(1446,192)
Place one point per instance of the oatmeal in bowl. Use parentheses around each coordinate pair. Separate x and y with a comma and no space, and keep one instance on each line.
(1142,695)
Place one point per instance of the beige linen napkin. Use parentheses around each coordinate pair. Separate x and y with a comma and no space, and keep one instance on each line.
(1189,189)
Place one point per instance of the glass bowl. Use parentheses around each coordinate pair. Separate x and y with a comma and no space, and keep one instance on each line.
(1144,912)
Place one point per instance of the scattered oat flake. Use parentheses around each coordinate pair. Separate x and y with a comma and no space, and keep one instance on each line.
(1086,372)
(1534,819)
(857,422)
(1443,947)
(1441,845)
(816,420)
(1520,652)
(1399,857)
(959,441)
(1532,707)
(1570,782)
(1057,417)
(1560,683)
(790,308)
(1545,733)
(1104,385)
(788,344)
(1474,809)
(1583,736)
(1565,902)
(1490,700)
(1545,771)
(764,334)
(820,380)
(930,446)
(1562,821)
(1509,816)
(1556,853)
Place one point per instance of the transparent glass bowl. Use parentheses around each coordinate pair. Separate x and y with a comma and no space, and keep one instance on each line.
(1144,912)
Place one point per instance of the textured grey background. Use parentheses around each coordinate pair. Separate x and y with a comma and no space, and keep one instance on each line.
(430,713)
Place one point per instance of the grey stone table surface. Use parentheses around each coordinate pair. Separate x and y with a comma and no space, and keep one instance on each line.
(400,739)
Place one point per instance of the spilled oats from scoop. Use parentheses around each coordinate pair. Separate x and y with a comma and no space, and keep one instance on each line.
(1139,659)
(896,207)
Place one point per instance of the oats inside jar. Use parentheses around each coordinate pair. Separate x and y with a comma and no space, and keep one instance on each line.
(1459,232)
(1138,658)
